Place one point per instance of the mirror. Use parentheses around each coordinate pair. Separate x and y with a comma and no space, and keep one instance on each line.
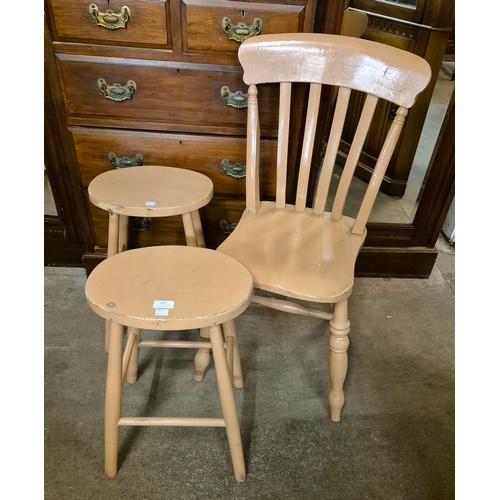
(402,210)
(48,197)
(403,24)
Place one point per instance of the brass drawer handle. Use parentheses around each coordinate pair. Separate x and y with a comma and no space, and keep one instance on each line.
(236,99)
(115,91)
(134,223)
(236,170)
(241,31)
(125,161)
(227,227)
(109,19)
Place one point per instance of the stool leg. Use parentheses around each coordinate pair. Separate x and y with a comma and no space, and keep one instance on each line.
(189,230)
(113,402)
(107,327)
(122,234)
(228,403)
(134,358)
(202,358)
(230,333)
(113,232)
(200,239)
(192,226)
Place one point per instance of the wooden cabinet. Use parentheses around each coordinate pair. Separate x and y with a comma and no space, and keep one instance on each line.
(424,30)
(185,71)
(159,82)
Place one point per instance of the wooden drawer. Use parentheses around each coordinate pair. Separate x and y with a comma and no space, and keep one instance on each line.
(204,154)
(167,96)
(147,24)
(205,29)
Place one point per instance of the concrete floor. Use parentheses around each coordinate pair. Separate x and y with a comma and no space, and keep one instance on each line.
(395,439)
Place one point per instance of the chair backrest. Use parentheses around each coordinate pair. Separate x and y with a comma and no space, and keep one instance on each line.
(347,63)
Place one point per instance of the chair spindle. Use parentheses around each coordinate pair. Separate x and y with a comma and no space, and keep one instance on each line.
(253,152)
(379,170)
(283,134)
(331,150)
(307,145)
(353,156)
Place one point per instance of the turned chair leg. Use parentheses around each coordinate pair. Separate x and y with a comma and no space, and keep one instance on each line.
(194,237)
(339,343)
(202,357)
(228,403)
(113,401)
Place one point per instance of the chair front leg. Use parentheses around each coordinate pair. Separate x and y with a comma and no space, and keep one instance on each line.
(339,343)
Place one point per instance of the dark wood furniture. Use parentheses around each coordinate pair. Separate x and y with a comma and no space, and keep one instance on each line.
(423,30)
(158,83)
(179,58)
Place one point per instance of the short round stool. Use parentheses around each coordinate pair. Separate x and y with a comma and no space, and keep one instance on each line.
(150,191)
(170,288)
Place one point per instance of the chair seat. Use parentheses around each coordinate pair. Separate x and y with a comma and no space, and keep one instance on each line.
(169,288)
(297,254)
(150,191)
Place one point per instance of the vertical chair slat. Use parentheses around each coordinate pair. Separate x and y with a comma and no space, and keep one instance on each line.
(283,133)
(307,145)
(379,170)
(331,150)
(253,152)
(353,157)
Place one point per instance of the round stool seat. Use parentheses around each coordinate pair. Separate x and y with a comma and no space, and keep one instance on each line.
(169,288)
(150,191)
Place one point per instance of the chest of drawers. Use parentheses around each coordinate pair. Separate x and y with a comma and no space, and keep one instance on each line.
(159,82)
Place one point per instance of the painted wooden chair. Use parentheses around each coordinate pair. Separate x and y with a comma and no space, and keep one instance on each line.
(309,253)
(150,191)
(170,288)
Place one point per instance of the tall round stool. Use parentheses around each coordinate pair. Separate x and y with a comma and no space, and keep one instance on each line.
(150,191)
(170,288)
